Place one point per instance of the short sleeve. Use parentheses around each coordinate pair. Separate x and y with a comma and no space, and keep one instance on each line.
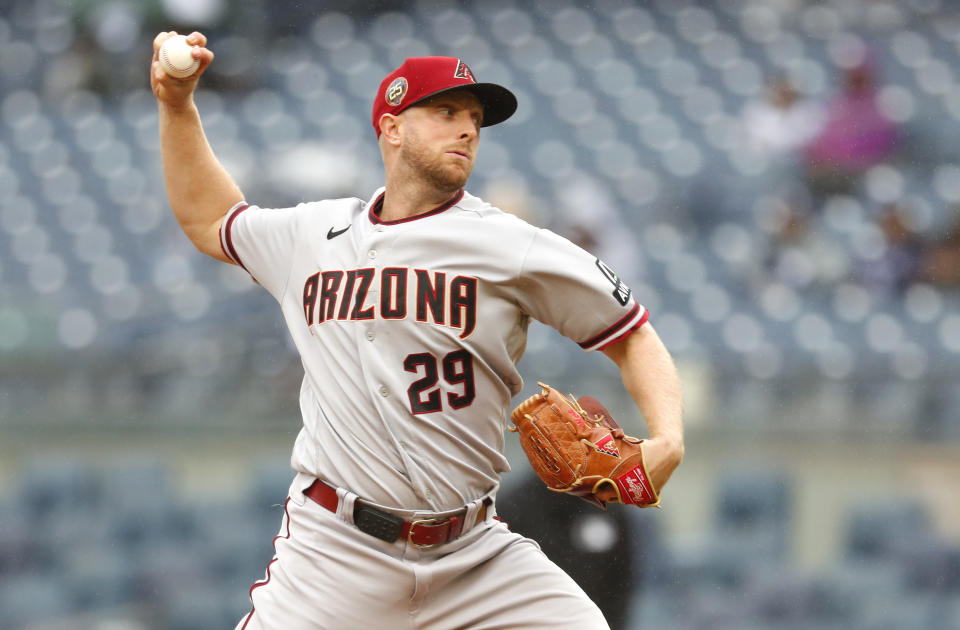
(573,291)
(262,241)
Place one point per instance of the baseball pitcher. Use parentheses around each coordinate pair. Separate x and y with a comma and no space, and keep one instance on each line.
(409,309)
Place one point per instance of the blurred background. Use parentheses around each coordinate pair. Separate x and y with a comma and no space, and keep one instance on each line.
(778,182)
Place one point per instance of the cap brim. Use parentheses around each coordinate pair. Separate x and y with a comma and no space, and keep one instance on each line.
(498,102)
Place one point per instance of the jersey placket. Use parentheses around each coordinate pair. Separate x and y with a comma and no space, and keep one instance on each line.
(374,253)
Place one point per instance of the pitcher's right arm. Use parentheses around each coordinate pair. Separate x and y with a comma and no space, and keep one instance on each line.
(199,189)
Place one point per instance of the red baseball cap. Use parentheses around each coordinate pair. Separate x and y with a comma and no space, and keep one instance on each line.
(419,78)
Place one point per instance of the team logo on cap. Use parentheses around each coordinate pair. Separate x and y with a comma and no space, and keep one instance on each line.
(463,72)
(396,91)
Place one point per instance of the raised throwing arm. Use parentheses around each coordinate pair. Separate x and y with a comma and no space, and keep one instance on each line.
(199,188)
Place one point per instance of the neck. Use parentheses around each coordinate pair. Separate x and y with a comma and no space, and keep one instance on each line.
(407,197)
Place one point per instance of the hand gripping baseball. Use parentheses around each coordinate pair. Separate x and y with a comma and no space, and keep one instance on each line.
(575,446)
(174,90)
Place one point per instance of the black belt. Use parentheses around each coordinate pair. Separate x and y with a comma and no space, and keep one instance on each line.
(421,532)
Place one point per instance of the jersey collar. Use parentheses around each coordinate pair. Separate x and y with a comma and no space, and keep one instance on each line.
(377,206)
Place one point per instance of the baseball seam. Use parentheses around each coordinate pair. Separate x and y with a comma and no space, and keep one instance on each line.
(165,55)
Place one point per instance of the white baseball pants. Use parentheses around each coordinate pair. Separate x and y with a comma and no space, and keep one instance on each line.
(328,575)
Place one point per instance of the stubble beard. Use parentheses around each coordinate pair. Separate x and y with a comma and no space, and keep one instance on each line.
(429,168)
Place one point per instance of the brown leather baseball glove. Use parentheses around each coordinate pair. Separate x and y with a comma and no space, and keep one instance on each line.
(576,446)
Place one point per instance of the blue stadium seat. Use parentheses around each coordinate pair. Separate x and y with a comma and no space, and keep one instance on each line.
(28,598)
(54,487)
(881,531)
(754,508)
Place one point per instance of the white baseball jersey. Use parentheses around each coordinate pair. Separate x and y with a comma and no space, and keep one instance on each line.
(409,332)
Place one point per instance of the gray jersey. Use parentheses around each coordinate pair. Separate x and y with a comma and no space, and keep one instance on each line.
(409,332)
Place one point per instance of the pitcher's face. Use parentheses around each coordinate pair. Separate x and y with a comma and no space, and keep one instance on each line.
(440,138)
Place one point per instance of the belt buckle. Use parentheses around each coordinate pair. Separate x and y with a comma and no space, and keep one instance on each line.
(377,523)
(424,521)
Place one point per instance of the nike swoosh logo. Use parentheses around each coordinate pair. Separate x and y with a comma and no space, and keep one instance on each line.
(335,233)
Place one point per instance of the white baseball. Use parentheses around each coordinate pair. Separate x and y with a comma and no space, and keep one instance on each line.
(176,59)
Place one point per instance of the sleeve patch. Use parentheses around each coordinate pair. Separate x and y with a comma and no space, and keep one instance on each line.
(621,292)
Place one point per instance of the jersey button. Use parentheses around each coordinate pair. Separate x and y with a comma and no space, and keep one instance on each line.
(372,254)
(371,335)
(384,391)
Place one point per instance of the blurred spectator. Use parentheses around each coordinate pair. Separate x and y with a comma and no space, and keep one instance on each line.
(798,255)
(898,266)
(855,135)
(941,260)
(783,122)
(512,194)
(588,215)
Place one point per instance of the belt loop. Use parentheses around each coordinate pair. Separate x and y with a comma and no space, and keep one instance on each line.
(345,504)
(473,510)
(470,518)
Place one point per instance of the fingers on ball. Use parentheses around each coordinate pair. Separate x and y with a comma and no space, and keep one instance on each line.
(162,37)
(197,38)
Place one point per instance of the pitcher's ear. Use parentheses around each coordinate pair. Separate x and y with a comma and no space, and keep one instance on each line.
(390,128)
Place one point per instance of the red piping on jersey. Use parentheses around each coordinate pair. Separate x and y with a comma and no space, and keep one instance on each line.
(378,203)
(249,617)
(260,583)
(624,334)
(613,329)
(232,254)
